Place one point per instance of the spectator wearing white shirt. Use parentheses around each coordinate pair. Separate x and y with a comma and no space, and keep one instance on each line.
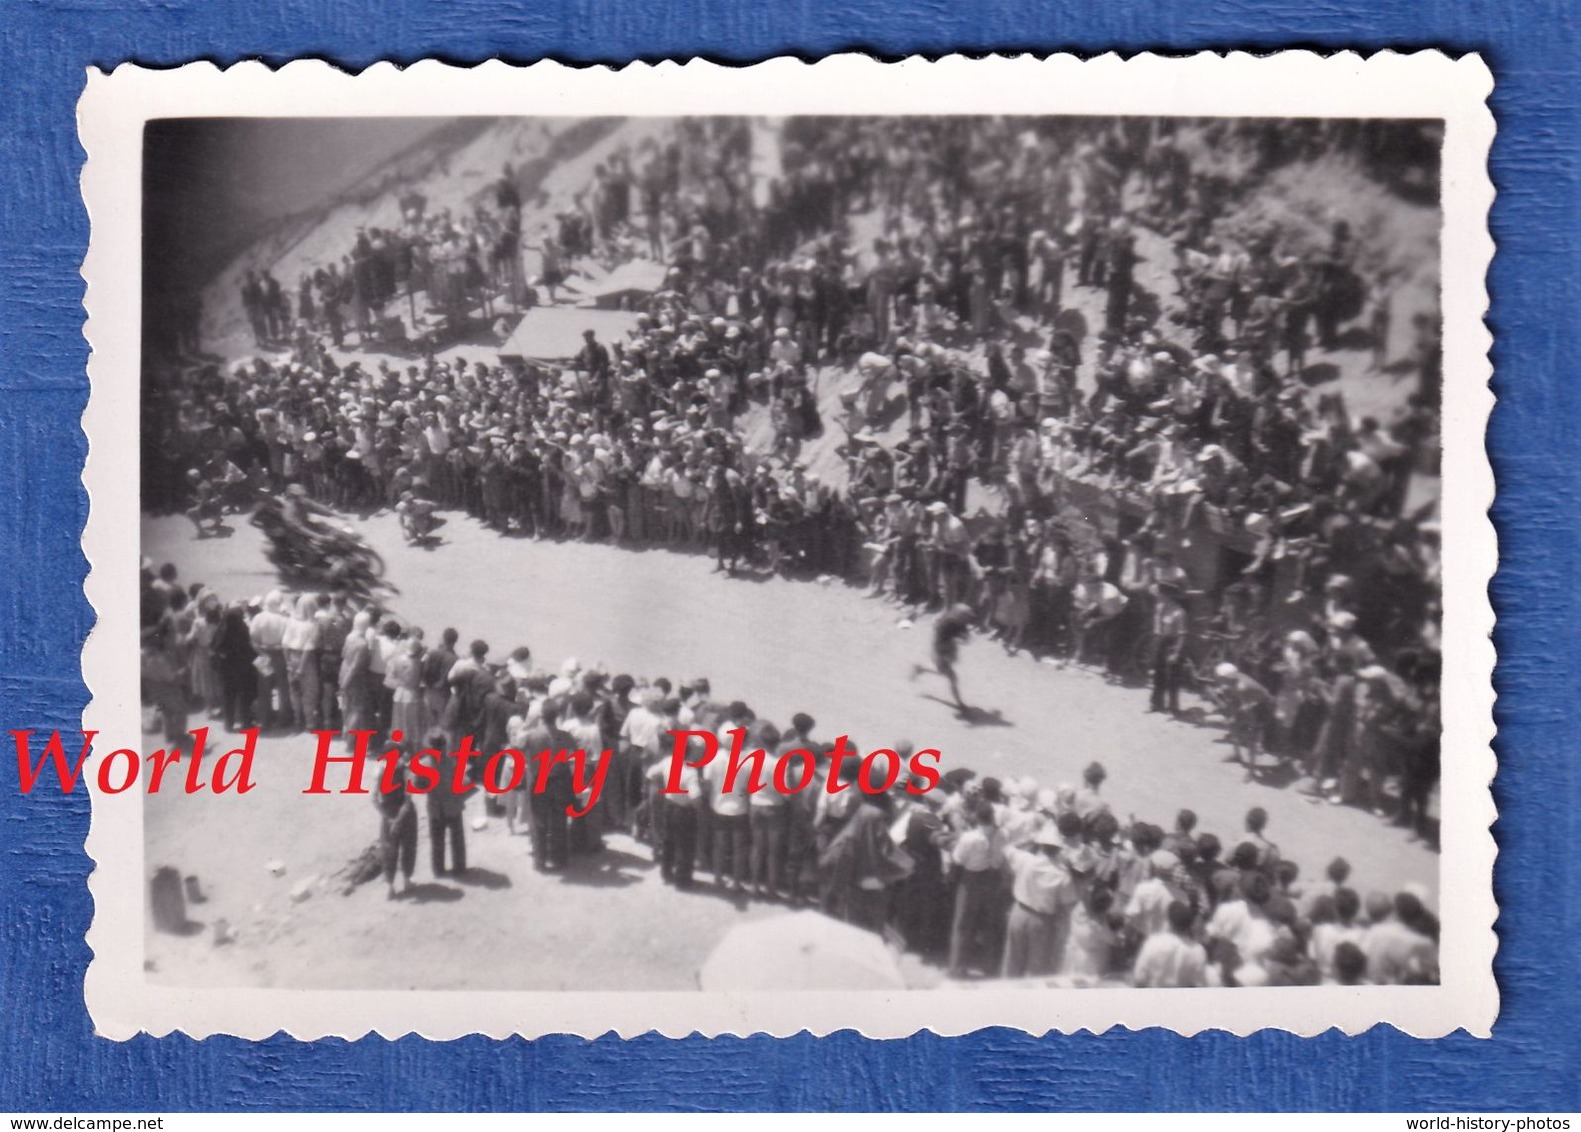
(641,740)
(1396,952)
(1333,923)
(1148,909)
(1169,957)
(768,816)
(1243,932)
(675,813)
(979,858)
(268,638)
(729,802)
(1042,892)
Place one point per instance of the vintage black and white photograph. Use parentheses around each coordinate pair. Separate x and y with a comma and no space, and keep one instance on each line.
(757,554)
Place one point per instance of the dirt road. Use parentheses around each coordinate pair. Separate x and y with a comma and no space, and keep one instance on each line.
(780,645)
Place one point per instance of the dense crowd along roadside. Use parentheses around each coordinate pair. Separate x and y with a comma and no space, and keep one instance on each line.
(979,876)
(1201,516)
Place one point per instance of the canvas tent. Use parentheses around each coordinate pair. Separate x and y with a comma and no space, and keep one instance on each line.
(553,334)
(631,280)
(626,285)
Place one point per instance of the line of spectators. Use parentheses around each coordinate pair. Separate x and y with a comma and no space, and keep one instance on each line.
(457,263)
(982,877)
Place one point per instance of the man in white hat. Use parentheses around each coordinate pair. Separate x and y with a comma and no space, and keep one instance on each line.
(1043,893)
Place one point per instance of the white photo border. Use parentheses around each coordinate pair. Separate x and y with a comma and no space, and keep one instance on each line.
(1429,84)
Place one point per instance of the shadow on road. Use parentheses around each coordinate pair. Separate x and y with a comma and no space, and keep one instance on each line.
(604,869)
(973,716)
(430,893)
(475,877)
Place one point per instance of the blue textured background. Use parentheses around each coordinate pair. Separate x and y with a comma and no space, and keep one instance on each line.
(49,1059)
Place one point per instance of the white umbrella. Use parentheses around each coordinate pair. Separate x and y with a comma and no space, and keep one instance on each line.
(800,951)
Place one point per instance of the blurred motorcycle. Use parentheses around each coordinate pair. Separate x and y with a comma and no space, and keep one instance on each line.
(309,553)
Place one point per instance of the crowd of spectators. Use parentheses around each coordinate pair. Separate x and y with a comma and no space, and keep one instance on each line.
(938,260)
(982,877)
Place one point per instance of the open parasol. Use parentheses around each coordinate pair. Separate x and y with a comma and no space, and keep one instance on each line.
(800,951)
